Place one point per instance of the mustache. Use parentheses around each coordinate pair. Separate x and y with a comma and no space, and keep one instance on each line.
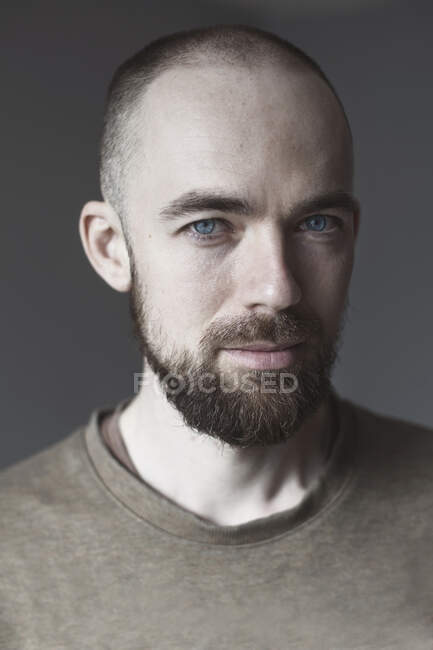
(283,329)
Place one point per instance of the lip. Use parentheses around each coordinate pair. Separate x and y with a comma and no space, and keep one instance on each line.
(266,359)
(265,347)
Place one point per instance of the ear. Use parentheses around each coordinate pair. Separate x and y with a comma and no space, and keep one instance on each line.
(104,244)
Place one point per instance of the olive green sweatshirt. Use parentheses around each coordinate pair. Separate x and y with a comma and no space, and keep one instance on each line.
(93,557)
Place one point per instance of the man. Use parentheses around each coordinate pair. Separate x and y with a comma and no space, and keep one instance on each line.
(235,500)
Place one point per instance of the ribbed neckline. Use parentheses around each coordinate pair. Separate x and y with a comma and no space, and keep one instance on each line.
(151,505)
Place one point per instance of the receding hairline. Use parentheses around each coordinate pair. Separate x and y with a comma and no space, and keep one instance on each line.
(230,45)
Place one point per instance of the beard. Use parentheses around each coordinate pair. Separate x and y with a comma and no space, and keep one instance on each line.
(240,407)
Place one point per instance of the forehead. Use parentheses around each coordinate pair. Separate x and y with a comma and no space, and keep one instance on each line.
(232,125)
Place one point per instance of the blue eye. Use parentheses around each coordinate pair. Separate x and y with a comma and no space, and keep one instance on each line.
(208,226)
(318,223)
(205,229)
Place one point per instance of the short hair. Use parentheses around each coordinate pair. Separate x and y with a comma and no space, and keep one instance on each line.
(228,44)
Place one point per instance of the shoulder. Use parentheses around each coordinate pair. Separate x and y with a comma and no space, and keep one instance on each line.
(46,504)
(394,455)
(391,434)
(41,480)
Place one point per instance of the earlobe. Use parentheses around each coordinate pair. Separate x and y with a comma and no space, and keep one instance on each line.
(104,244)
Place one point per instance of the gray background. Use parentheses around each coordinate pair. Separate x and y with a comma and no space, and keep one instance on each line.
(67,342)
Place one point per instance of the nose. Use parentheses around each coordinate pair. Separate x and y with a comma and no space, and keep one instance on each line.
(266,282)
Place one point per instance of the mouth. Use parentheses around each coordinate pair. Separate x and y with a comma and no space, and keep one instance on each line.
(265,356)
(265,346)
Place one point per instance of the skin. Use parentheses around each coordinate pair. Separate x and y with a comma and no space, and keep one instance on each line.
(275,137)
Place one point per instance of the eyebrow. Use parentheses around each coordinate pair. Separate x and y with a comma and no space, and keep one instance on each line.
(195,202)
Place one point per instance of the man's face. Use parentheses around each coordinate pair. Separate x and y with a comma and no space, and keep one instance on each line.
(241,232)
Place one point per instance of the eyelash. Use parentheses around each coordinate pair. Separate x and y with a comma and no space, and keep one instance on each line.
(197,236)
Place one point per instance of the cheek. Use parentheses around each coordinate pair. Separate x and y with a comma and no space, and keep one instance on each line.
(185,290)
(325,277)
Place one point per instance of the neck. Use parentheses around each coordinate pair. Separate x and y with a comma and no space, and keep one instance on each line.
(226,486)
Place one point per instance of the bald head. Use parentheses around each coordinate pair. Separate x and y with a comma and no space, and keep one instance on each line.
(246,48)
